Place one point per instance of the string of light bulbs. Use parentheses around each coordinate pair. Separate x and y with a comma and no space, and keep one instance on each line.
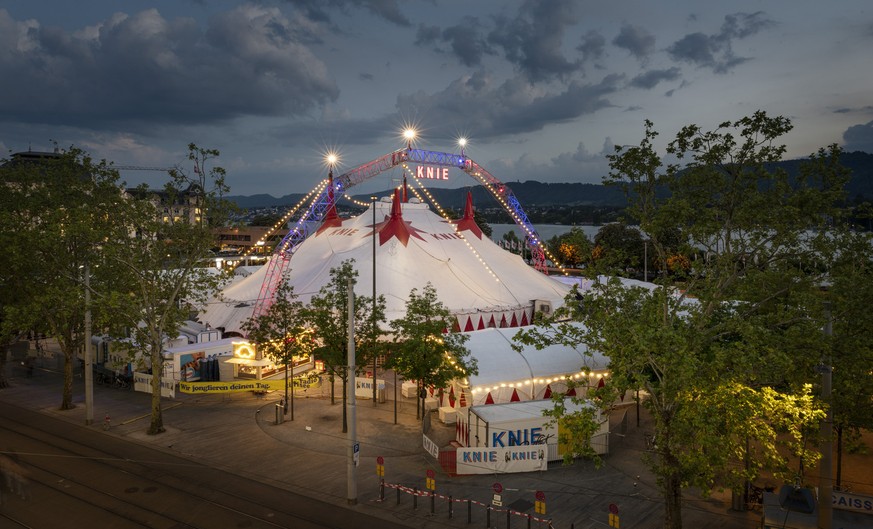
(442,213)
(281,222)
(520,222)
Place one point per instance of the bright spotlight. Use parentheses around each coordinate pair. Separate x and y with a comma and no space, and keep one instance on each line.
(409,134)
(462,142)
(331,159)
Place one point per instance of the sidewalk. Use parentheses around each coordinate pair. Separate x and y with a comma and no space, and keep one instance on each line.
(237,432)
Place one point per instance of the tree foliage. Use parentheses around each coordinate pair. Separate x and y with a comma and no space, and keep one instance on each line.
(327,314)
(160,265)
(721,350)
(572,248)
(423,349)
(58,211)
(281,334)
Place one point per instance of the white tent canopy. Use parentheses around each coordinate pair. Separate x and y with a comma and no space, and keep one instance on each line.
(530,373)
(478,281)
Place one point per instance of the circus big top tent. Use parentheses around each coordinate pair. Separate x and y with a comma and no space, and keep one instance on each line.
(482,284)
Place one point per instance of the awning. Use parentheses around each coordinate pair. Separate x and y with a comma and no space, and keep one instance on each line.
(249,361)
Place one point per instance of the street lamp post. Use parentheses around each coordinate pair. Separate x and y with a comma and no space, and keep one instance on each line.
(373,315)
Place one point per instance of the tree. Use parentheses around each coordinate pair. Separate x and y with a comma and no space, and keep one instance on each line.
(572,248)
(423,349)
(327,314)
(58,213)
(282,335)
(160,264)
(724,360)
(619,247)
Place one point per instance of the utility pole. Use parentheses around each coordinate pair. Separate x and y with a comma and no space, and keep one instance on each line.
(826,470)
(352,477)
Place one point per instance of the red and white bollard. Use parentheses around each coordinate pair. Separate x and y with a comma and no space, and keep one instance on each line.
(107,422)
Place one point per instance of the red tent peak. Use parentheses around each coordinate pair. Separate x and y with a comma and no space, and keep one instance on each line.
(467,222)
(395,226)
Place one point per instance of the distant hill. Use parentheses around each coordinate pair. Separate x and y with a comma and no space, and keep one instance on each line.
(532,193)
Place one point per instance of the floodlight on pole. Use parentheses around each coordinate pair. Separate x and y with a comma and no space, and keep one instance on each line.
(462,143)
(409,134)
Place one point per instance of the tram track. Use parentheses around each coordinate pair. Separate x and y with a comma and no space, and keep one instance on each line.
(122,484)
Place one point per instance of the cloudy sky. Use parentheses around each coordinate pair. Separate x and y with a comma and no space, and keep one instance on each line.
(542,88)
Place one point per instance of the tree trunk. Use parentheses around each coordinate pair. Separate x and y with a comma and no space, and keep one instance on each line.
(67,395)
(839,456)
(157,423)
(285,410)
(672,501)
(332,390)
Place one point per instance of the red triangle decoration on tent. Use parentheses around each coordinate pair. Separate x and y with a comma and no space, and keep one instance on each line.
(514,322)
(452,396)
(467,222)
(481,324)
(548,393)
(572,392)
(514,397)
(456,325)
(601,383)
(491,322)
(524,318)
(463,402)
(503,321)
(469,326)
(489,399)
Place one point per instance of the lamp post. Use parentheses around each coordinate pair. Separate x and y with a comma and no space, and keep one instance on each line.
(373,315)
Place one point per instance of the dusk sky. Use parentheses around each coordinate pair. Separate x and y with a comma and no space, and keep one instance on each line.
(542,89)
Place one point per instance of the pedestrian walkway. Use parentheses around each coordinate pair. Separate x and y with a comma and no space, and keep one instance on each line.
(239,432)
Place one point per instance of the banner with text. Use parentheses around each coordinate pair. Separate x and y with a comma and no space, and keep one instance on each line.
(143,382)
(230,387)
(488,460)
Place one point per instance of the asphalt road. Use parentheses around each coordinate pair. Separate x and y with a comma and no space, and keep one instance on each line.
(71,476)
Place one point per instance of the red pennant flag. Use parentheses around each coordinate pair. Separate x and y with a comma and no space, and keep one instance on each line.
(514,397)
(489,399)
(548,393)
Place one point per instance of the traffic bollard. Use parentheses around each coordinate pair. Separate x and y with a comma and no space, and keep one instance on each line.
(415,497)
(508,512)
(398,495)
(432,502)
(381,490)
(469,511)
(450,506)
(488,516)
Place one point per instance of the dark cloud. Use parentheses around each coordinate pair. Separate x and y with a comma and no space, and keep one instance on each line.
(635,39)
(366,76)
(464,41)
(533,40)
(716,51)
(593,47)
(512,107)
(144,69)
(651,78)
(859,138)
(319,10)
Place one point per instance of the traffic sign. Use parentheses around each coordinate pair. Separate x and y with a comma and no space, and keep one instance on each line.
(430,473)
(540,495)
(497,500)
(380,460)
(498,488)
(613,508)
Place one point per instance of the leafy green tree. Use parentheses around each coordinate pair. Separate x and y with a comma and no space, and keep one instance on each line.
(281,334)
(423,349)
(619,247)
(327,314)
(724,361)
(573,248)
(57,212)
(160,263)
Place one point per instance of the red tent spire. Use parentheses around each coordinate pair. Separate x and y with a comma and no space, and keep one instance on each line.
(467,222)
(395,226)
(405,193)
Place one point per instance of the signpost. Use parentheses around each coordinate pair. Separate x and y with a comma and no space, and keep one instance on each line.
(430,482)
(380,466)
(613,516)
(540,503)
(497,500)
